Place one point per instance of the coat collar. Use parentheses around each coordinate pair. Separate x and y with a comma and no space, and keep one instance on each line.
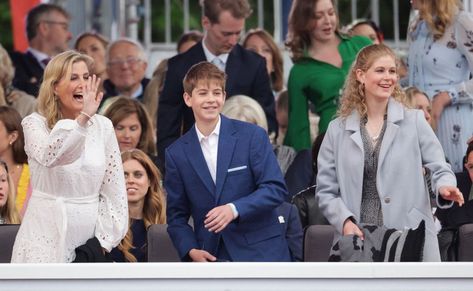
(395,114)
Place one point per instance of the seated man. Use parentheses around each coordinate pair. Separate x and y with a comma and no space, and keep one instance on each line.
(126,68)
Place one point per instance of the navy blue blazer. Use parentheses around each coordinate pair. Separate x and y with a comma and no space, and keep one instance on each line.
(28,72)
(248,176)
(292,227)
(246,74)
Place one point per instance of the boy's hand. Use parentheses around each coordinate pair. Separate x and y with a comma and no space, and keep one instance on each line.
(218,218)
(201,256)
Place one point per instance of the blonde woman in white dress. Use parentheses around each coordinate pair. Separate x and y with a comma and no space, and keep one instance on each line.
(76,170)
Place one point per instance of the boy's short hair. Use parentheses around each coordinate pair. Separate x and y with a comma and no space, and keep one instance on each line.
(203,71)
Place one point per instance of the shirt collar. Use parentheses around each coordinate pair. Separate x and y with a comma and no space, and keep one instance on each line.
(40,56)
(216,131)
(210,56)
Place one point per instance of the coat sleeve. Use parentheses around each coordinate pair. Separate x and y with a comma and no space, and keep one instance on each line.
(433,158)
(328,188)
(112,223)
(270,187)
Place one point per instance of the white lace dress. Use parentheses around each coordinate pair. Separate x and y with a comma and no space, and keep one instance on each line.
(78,190)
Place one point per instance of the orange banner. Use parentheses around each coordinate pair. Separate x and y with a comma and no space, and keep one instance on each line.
(19,10)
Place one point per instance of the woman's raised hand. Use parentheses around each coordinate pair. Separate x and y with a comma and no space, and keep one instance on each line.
(92,99)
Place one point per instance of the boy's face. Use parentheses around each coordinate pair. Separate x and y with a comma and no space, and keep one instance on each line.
(206,100)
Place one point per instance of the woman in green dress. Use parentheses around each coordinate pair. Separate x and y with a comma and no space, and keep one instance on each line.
(322,58)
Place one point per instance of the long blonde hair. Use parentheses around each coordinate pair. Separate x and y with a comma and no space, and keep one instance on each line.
(438,14)
(353,97)
(58,68)
(9,211)
(154,209)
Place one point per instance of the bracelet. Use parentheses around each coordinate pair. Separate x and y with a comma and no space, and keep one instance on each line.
(86,115)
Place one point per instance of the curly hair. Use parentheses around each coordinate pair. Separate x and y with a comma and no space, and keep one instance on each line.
(154,209)
(353,97)
(438,14)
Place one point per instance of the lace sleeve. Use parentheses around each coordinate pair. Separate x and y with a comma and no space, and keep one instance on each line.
(112,223)
(61,146)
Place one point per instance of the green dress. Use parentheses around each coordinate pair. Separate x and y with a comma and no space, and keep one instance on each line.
(321,83)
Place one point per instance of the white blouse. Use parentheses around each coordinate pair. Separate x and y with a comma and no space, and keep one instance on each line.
(78,190)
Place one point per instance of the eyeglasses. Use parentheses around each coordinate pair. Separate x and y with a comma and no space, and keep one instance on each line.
(131,61)
(65,25)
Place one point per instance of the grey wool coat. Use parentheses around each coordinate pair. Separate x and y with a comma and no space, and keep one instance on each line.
(409,143)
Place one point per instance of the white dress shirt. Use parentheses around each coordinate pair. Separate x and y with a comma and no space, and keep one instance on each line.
(209,146)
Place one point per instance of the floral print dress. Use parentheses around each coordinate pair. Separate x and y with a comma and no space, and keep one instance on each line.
(446,65)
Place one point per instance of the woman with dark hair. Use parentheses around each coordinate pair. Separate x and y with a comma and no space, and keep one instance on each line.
(133,126)
(76,170)
(366,27)
(322,58)
(146,205)
(12,152)
(262,43)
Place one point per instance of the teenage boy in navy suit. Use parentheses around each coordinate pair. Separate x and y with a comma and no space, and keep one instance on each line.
(224,174)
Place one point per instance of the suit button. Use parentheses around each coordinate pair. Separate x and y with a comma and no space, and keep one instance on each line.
(387,200)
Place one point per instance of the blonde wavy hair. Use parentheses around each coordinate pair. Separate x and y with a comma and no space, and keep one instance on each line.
(154,209)
(438,14)
(9,211)
(60,67)
(353,97)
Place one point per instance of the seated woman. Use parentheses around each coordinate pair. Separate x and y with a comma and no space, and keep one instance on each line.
(13,154)
(133,126)
(8,212)
(146,205)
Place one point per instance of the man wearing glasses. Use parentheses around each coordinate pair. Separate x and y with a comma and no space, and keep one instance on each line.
(126,67)
(47,30)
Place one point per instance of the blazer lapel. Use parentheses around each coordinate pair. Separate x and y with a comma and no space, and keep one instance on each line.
(226,144)
(197,160)
(232,68)
(395,114)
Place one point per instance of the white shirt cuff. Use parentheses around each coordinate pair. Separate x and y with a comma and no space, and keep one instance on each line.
(234,210)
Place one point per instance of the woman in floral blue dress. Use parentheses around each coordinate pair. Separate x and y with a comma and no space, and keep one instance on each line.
(440,63)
